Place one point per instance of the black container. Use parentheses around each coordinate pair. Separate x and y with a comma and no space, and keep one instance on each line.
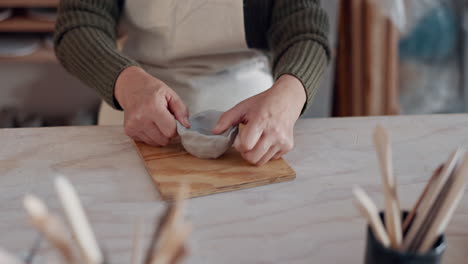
(376,253)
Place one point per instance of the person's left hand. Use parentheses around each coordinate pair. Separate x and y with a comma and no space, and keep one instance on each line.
(269,119)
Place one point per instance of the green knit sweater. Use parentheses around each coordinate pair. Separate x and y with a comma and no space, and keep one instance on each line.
(294,32)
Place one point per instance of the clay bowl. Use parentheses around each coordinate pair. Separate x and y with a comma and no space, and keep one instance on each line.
(198,139)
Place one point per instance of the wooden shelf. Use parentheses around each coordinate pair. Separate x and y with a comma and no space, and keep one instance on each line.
(45,54)
(24,24)
(29,3)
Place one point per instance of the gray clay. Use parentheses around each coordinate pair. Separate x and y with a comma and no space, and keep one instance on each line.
(198,139)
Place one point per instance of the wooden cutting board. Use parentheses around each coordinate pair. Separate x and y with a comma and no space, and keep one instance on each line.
(172,165)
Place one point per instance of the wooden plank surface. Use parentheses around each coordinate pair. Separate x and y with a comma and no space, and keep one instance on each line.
(373,65)
(391,72)
(29,3)
(304,221)
(24,24)
(172,166)
(342,96)
(357,51)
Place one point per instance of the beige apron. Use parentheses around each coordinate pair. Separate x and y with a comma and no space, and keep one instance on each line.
(198,48)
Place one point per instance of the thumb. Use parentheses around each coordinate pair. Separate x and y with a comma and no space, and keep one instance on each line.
(179,110)
(230,118)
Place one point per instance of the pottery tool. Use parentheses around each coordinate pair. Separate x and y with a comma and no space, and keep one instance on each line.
(50,226)
(167,246)
(445,213)
(167,243)
(370,212)
(409,219)
(441,212)
(428,203)
(77,218)
(392,206)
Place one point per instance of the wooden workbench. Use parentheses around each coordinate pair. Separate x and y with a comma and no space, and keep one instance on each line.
(309,220)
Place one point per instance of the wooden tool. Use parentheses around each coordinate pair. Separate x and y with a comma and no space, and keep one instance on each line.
(50,226)
(410,217)
(172,165)
(445,214)
(445,207)
(428,203)
(168,241)
(370,212)
(77,218)
(392,206)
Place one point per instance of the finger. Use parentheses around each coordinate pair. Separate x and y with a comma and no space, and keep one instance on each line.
(180,111)
(153,132)
(165,122)
(268,156)
(230,118)
(260,149)
(150,140)
(280,154)
(145,139)
(249,136)
(137,139)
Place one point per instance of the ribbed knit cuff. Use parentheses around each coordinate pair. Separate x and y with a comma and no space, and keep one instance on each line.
(92,56)
(305,60)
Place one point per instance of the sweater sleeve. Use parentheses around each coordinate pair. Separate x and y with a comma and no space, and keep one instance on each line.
(298,41)
(85,43)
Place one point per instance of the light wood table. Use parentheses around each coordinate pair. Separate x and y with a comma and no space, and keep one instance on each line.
(309,220)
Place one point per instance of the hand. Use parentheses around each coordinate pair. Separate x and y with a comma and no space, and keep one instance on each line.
(150,107)
(269,119)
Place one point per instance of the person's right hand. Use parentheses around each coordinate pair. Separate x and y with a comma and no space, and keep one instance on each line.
(150,107)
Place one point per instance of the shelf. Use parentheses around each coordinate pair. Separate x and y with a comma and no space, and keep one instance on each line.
(29,3)
(24,24)
(45,54)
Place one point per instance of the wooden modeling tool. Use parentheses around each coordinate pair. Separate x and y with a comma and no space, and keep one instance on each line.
(444,209)
(168,241)
(429,185)
(370,212)
(441,222)
(392,206)
(168,244)
(78,221)
(432,214)
(50,226)
(428,203)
